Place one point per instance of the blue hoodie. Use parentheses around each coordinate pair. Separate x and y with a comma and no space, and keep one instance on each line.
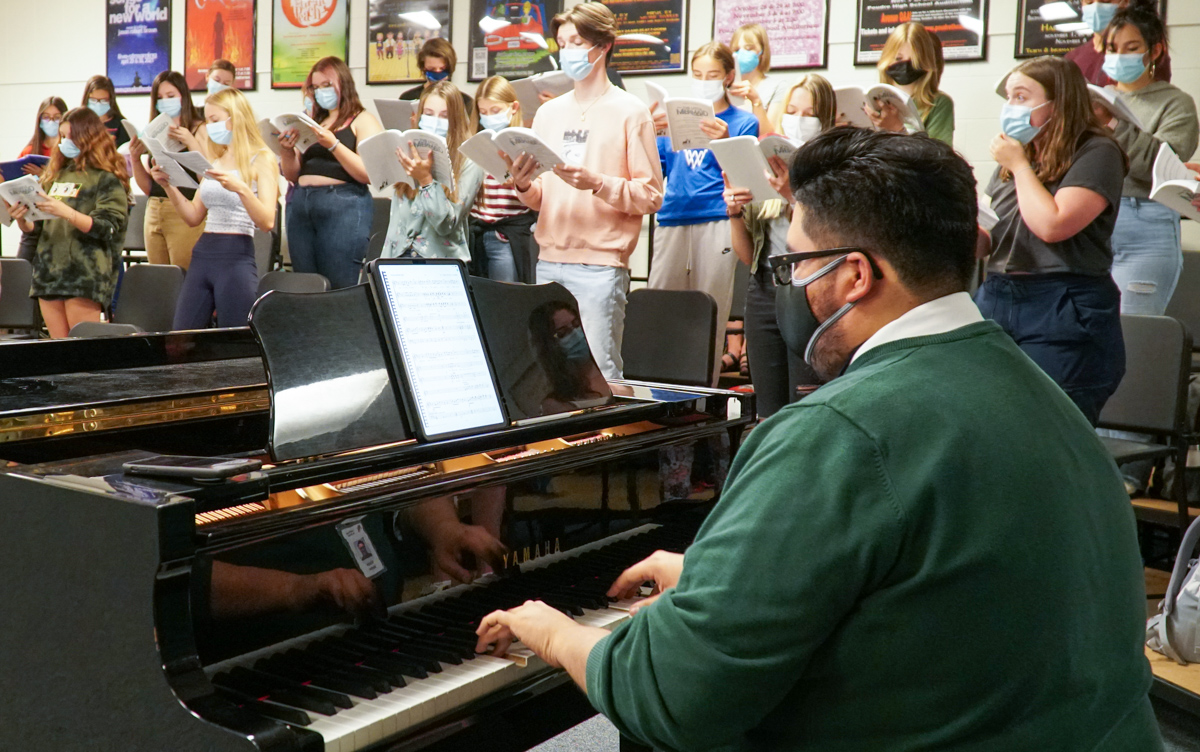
(694,184)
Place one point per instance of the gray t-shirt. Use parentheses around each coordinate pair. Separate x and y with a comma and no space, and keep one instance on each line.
(1099,166)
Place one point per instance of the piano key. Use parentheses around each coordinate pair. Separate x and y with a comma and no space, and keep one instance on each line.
(263,690)
(318,677)
(339,699)
(269,709)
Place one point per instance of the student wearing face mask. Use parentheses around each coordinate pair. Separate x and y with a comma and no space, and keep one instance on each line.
(1056,190)
(911,61)
(238,195)
(430,221)
(758,91)
(437,60)
(1147,255)
(758,232)
(100,97)
(1089,55)
(221,75)
(43,142)
(501,227)
(691,243)
(329,213)
(169,240)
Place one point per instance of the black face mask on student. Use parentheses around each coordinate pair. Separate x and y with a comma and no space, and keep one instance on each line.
(904,73)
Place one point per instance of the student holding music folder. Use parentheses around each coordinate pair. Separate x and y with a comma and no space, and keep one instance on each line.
(329,213)
(912,61)
(100,97)
(43,142)
(591,206)
(878,574)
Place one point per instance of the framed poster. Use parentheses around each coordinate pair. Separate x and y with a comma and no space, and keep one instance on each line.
(797,30)
(1055,31)
(219,30)
(139,43)
(396,29)
(511,38)
(651,35)
(961,25)
(303,32)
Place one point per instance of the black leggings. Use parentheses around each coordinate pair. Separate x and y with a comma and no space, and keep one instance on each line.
(222,277)
(775,370)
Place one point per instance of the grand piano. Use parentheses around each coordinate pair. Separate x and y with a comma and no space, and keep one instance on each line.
(328,600)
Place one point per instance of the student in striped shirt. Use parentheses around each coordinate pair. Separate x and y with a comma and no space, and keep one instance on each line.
(502,244)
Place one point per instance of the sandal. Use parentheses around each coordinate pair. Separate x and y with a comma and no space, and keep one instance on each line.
(744,365)
(728,363)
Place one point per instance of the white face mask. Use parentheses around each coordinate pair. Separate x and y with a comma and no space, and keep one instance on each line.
(800,128)
(710,91)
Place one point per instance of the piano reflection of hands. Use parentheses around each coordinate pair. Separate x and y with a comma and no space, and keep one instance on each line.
(239,591)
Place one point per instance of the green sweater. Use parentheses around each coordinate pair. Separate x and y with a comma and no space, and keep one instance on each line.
(939,120)
(933,551)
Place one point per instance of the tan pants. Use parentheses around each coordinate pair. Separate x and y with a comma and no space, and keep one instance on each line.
(697,257)
(169,240)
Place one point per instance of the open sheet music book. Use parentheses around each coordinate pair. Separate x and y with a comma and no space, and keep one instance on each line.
(555,83)
(1111,100)
(28,191)
(396,114)
(852,99)
(1174,186)
(684,116)
(743,159)
(306,138)
(159,130)
(383,166)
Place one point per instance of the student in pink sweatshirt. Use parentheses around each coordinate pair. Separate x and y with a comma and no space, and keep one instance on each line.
(591,208)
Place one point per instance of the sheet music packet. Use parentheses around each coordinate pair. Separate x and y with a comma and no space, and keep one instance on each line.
(852,99)
(744,160)
(28,191)
(529,89)
(684,116)
(171,163)
(306,138)
(383,166)
(269,134)
(483,151)
(1174,185)
(159,130)
(1111,100)
(517,141)
(396,114)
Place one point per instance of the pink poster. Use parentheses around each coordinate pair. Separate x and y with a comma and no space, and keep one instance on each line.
(796,29)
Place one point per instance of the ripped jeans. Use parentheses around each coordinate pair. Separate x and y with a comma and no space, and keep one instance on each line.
(1147,259)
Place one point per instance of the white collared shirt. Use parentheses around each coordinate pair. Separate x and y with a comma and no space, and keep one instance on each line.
(938,316)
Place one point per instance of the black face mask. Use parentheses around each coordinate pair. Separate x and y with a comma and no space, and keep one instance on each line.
(904,73)
(798,326)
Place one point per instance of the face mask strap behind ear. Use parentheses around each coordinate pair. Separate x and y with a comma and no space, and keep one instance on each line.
(824,327)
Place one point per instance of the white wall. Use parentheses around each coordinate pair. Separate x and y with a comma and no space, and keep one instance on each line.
(28,74)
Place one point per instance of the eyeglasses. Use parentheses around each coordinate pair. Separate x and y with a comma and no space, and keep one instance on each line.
(782,266)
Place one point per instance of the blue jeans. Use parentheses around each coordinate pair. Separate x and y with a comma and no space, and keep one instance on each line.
(1147,256)
(601,293)
(500,264)
(328,230)
(1069,324)
(222,277)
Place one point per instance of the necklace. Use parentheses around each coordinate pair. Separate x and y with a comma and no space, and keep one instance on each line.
(591,104)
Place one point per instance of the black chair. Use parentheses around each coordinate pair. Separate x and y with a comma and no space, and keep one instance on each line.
(381,216)
(135,235)
(292,282)
(1152,399)
(17,310)
(741,287)
(1185,302)
(93,329)
(147,297)
(268,247)
(670,336)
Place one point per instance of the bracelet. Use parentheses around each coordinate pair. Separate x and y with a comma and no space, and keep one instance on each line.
(1023,167)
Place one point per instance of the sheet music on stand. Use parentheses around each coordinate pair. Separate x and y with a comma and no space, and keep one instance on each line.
(436,343)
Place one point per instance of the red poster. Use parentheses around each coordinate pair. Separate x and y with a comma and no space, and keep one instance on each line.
(219,29)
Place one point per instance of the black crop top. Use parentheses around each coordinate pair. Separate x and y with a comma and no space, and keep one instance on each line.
(320,161)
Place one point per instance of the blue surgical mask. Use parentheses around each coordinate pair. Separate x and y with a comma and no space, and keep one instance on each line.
(170,106)
(1098,15)
(497,122)
(1124,68)
(68,148)
(98,106)
(435,125)
(220,133)
(49,127)
(327,97)
(747,60)
(574,344)
(1015,122)
(434,76)
(575,63)
(214,86)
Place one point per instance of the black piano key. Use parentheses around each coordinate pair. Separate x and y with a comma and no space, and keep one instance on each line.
(339,699)
(384,662)
(339,679)
(371,646)
(414,646)
(258,688)
(384,681)
(268,709)
(463,648)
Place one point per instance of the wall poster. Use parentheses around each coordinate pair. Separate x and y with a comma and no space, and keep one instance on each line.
(961,25)
(139,43)
(511,38)
(651,35)
(1057,32)
(797,30)
(396,29)
(219,30)
(303,32)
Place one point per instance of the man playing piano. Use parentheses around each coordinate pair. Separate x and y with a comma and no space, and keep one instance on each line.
(932,551)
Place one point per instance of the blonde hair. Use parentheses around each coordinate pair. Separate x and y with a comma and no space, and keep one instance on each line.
(823,98)
(718,51)
(497,89)
(925,56)
(247,144)
(759,34)
(459,130)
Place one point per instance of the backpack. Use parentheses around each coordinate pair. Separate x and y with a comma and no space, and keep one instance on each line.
(1175,631)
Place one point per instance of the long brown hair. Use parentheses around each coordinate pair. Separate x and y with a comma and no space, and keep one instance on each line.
(96,149)
(1071,123)
(349,105)
(458,131)
(189,116)
(39,138)
(926,56)
(103,83)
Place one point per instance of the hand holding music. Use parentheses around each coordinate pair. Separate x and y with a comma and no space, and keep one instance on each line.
(778,178)
(661,567)
(137,148)
(735,198)
(714,128)
(660,118)
(579,177)
(55,208)
(545,96)
(159,175)
(229,181)
(540,627)
(1009,153)
(886,119)
(1194,167)
(325,137)
(183,136)
(17,212)
(287,140)
(418,168)
(521,171)
(32,169)
(746,91)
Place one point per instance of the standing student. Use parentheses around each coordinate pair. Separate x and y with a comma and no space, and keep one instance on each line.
(759,91)
(77,252)
(591,208)
(501,226)
(169,240)
(430,221)
(237,195)
(221,75)
(437,60)
(1089,55)
(43,142)
(329,213)
(911,60)
(758,232)
(691,243)
(1056,189)
(1147,255)
(100,97)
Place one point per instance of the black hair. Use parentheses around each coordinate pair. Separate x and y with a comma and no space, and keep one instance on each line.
(1145,19)
(907,199)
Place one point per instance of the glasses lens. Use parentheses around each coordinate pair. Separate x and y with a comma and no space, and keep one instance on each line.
(783,274)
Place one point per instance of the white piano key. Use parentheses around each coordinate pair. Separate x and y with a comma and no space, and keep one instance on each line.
(335,732)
